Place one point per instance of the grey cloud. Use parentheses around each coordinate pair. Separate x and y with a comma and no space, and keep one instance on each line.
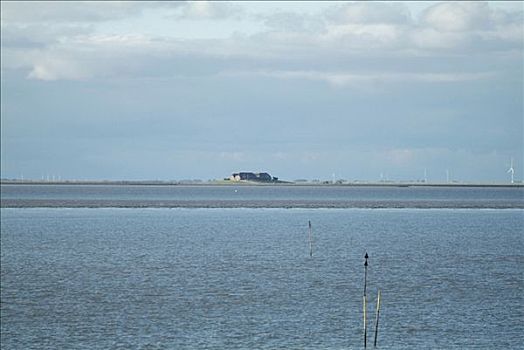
(379,29)
(40,35)
(294,42)
(292,22)
(44,23)
(119,57)
(75,11)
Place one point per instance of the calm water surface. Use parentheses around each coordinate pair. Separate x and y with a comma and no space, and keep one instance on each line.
(229,267)
(109,278)
(260,196)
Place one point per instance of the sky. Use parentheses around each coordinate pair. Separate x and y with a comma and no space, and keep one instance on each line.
(303,90)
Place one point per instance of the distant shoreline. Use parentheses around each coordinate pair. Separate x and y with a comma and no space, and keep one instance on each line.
(253,183)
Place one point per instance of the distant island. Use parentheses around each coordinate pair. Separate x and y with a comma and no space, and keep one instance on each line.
(249,176)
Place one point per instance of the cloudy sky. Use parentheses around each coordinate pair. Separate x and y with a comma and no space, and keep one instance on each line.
(186,90)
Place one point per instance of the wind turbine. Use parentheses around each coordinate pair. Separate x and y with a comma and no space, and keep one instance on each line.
(511,170)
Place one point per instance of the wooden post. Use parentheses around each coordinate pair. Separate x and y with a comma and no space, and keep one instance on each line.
(310,240)
(376,319)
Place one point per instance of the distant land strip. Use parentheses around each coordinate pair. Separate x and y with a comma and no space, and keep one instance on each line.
(255,183)
(303,204)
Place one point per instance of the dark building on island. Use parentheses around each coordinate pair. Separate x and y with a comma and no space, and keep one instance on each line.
(247,176)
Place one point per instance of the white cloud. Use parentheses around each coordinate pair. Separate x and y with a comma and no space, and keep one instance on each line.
(54,68)
(362,12)
(205,10)
(458,16)
(367,36)
(341,79)
(468,27)
(88,57)
(432,39)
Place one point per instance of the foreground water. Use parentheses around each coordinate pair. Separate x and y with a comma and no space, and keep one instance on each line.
(109,278)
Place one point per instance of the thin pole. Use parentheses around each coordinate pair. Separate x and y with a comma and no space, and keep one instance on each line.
(364,298)
(310,240)
(376,319)
(365,324)
(365,271)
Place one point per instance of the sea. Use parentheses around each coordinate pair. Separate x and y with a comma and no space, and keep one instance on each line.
(237,267)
